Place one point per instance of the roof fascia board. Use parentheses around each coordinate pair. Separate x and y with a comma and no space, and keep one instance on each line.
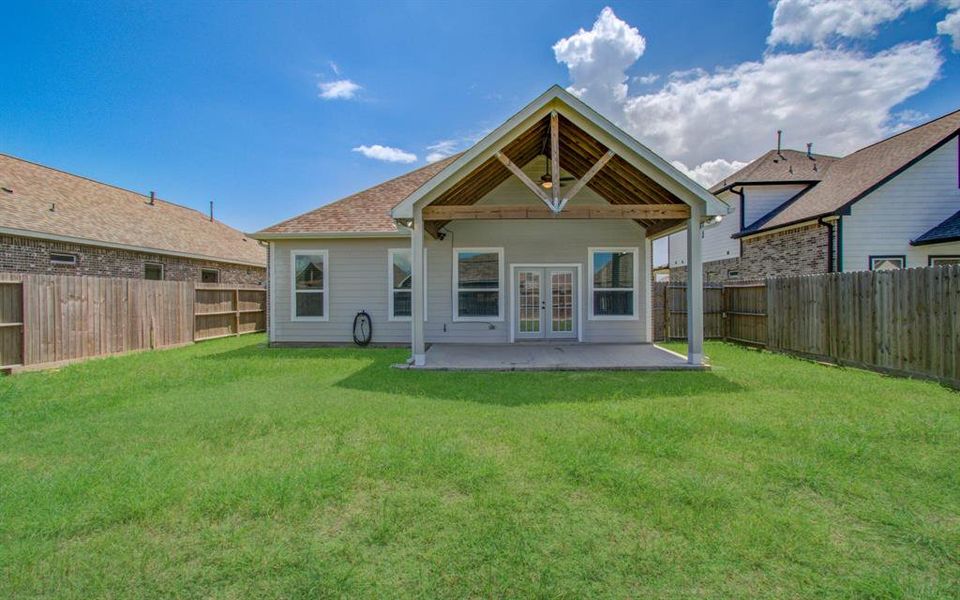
(325,235)
(845,209)
(103,244)
(471,157)
(948,240)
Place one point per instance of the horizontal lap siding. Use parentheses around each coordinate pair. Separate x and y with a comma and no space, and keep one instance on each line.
(358,280)
(884,222)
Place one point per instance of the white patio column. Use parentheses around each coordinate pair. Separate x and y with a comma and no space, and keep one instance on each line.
(416,295)
(647,274)
(694,288)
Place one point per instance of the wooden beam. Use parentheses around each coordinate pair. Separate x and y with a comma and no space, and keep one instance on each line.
(523,177)
(555,158)
(499,212)
(586,178)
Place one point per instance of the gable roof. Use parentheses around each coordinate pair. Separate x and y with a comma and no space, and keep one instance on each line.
(366,212)
(852,177)
(785,166)
(653,165)
(947,231)
(39,201)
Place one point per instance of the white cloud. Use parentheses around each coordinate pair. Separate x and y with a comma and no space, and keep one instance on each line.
(386,153)
(441,150)
(342,89)
(647,79)
(839,99)
(820,21)
(598,59)
(710,172)
(950,25)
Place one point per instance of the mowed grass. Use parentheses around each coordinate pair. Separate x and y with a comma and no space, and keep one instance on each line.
(228,470)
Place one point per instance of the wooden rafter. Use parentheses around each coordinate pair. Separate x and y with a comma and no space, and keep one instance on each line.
(555,159)
(499,212)
(576,187)
(518,172)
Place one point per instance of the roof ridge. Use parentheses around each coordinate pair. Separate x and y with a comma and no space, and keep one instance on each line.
(98,182)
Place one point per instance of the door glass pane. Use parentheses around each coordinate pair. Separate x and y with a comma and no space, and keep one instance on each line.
(561,296)
(529,301)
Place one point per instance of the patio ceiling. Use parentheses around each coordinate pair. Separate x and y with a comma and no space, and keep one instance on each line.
(617,181)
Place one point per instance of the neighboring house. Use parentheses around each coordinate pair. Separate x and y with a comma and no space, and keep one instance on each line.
(894,204)
(56,223)
(502,257)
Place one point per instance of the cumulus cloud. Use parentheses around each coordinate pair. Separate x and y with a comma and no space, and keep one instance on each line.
(342,89)
(386,153)
(840,99)
(710,172)
(820,21)
(598,59)
(950,25)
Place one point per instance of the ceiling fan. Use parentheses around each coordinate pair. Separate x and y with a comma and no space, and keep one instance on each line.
(546,180)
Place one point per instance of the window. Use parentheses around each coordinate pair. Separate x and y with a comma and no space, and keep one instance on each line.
(153,271)
(478,284)
(887,263)
(209,276)
(399,277)
(309,297)
(940,261)
(60,258)
(613,280)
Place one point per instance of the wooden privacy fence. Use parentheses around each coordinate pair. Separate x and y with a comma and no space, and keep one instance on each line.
(48,319)
(904,322)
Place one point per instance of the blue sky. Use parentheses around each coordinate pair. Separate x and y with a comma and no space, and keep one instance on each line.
(202,101)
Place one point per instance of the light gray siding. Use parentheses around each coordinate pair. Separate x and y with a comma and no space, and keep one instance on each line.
(358,275)
(759,200)
(884,222)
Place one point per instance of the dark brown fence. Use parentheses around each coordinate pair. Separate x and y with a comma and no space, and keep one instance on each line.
(903,322)
(54,319)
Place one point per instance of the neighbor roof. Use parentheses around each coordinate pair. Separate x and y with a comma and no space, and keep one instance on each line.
(947,231)
(366,212)
(39,201)
(852,177)
(784,166)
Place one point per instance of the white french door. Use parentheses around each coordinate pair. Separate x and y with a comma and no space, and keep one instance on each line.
(546,303)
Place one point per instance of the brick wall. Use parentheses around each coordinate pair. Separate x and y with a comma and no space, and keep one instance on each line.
(800,251)
(29,255)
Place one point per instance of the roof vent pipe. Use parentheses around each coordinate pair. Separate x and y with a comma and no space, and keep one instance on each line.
(211,210)
(779,139)
(153,198)
(810,150)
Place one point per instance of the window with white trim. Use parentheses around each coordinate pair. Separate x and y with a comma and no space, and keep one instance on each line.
(478,284)
(613,283)
(63,258)
(941,261)
(399,280)
(153,271)
(310,285)
(888,263)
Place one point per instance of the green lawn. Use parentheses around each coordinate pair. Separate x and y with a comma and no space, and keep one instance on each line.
(229,470)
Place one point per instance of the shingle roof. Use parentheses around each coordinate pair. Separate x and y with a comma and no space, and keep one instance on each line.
(780,167)
(855,175)
(367,211)
(947,231)
(46,201)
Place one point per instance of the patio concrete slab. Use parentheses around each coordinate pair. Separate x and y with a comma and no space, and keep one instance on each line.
(552,357)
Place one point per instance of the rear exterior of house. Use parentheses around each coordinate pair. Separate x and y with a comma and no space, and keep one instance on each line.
(57,223)
(540,232)
(893,204)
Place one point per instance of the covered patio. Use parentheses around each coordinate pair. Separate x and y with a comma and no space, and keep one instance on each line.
(566,253)
(553,357)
